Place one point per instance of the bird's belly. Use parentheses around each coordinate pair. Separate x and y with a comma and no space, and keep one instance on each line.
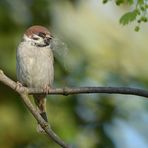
(36,72)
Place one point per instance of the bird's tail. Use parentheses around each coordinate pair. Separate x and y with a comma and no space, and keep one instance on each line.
(40,101)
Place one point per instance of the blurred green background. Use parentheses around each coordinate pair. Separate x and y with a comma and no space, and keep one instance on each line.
(100,53)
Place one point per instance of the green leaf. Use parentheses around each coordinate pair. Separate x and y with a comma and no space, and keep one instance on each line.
(129,17)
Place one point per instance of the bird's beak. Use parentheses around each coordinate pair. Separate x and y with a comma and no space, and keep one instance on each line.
(47,40)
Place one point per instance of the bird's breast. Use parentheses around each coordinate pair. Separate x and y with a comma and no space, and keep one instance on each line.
(35,66)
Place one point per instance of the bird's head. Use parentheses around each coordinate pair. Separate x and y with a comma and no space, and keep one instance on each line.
(38,36)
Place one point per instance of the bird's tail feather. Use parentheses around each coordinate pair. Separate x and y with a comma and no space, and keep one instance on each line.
(44,116)
(40,101)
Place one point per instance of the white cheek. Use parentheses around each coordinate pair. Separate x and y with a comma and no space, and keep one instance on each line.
(40,41)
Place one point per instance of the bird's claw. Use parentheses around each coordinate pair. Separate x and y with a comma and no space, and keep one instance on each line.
(46,89)
(19,86)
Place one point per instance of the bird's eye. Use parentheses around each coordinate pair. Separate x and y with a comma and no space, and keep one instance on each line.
(35,38)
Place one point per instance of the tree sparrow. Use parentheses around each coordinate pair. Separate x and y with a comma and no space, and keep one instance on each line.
(35,64)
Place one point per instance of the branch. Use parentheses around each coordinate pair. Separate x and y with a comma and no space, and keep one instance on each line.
(24,95)
(23,91)
(83,90)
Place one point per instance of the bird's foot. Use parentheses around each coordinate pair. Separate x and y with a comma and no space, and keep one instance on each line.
(18,86)
(46,89)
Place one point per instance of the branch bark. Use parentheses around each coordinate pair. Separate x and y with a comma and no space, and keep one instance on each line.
(24,92)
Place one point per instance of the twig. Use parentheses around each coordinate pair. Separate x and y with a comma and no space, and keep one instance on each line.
(80,90)
(87,90)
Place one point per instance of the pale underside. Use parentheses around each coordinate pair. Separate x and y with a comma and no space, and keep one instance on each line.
(35,65)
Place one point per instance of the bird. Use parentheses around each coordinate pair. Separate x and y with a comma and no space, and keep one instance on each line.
(34,65)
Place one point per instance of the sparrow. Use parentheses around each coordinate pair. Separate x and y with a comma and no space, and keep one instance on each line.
(34,64)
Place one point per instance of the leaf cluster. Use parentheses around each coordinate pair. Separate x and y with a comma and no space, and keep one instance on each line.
(137,14)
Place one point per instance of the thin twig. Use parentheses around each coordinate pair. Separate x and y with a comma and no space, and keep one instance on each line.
(80,90)
(87,90)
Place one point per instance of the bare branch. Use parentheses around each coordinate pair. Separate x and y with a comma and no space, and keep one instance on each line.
(64,91)
(89,90)
(24,95)
(81,90)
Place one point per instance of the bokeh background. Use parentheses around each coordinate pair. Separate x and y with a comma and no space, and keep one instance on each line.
(100,52)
